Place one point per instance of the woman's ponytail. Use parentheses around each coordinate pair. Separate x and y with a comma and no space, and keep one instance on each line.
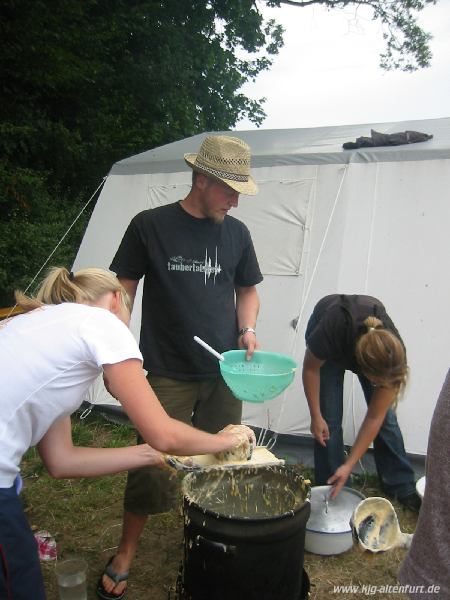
(373,323)
(85,286)
(381,355)
(59,286)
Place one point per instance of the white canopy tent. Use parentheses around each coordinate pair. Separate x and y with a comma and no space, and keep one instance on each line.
(326,220)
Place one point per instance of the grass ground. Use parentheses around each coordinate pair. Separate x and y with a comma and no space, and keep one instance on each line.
(85,518)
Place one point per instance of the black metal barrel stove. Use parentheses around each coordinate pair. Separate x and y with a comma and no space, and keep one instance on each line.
(244,534)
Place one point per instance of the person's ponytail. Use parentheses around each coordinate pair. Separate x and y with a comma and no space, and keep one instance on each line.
(85,286)
(381,355)
(60,286)
(373,323)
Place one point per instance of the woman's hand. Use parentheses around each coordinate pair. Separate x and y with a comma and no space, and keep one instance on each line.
(150,456)
(338,479)
(237,435)
(320,431)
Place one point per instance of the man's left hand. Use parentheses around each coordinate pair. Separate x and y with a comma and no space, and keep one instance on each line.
(248,342)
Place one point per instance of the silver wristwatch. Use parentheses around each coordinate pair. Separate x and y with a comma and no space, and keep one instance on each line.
(245,330)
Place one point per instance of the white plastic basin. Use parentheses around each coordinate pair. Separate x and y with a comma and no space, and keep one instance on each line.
(328,529)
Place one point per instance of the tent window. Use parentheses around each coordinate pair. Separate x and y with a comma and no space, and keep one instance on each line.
(277,218)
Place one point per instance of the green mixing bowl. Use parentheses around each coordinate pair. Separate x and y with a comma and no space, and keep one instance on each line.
(262,378)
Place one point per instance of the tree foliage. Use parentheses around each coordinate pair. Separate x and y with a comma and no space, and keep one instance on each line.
(29,232)
(105,79)
(85,83)
(406,42)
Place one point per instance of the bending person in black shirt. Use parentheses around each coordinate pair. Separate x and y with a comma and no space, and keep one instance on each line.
(355,333)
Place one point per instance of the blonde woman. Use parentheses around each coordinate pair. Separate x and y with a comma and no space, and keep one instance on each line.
(74,329)
(354,332)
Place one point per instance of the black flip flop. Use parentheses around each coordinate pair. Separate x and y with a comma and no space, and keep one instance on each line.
(116,577)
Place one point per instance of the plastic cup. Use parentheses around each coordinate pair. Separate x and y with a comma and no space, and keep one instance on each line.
(71,577)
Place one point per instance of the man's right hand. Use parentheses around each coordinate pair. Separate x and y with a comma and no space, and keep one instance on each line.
(320,431)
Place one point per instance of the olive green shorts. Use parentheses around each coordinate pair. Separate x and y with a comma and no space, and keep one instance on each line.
(206,404)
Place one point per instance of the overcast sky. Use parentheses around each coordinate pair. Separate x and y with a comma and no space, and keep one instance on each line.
(327,73)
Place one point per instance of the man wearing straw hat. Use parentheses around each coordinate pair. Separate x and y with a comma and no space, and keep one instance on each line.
(200,272)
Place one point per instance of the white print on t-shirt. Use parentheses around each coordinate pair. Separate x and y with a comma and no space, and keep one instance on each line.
(192,265)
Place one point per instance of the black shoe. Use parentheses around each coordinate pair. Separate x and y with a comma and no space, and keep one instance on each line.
(411,501)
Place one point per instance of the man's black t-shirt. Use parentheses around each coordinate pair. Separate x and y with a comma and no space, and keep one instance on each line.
(336,324)
(191,267)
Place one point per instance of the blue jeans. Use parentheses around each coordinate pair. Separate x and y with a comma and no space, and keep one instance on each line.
(20,571)
(393,467)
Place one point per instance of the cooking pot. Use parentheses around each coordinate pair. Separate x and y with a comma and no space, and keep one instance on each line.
(244,533)
(328,530)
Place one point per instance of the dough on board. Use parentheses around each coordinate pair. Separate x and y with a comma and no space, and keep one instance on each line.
(260,456)
(241,452)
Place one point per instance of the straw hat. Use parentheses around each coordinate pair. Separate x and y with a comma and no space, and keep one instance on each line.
(227,159)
